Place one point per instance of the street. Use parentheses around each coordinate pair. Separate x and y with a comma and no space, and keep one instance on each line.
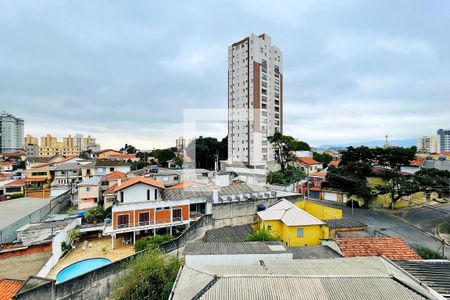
(392,226)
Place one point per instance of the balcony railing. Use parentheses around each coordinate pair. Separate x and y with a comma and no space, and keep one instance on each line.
(148,223)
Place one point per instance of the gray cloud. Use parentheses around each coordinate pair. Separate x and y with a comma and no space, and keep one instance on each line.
(124,71)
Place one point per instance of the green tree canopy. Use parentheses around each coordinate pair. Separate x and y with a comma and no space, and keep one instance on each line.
(324,158)
(284,147)
(149,276)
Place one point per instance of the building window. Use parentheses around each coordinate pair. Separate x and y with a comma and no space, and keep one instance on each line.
(88,189)
(156,194)
(148,194)
(144,219)
(122,221)
(269,227)
(121,196)
(299,232)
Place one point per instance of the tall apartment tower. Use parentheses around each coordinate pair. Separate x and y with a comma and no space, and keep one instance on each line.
(443,140)
(427,144)
(255,99)
(11,133)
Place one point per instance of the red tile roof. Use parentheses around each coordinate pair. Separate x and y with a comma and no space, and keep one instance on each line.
(41,165)
(307,160)
(334,163)
(123,156)
(318,174)
(9,288)
(6,163)
(418,162)
(18,182)
(114,175)
(110,190)
(140,179)
(182,185)
(390,247)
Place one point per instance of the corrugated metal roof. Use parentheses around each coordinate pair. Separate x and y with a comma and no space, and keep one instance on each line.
(313,252)
(345,223)
(435,274)
(231,248)
(328,279)
(228,234)
(326,288)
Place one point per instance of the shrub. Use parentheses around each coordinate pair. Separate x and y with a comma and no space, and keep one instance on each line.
(16,195)
(261,236)
(149,276)
(151,242)
(426,253)
(74,234)
(96,213)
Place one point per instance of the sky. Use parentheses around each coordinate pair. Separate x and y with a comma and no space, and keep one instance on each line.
(125,71)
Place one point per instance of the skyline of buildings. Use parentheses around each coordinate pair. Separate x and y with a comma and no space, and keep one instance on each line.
(50,145)
(443,140)
(255,99)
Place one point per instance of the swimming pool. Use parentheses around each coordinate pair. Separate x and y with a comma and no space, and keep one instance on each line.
(81,267)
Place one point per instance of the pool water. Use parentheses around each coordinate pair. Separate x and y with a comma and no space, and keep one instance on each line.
(80,268)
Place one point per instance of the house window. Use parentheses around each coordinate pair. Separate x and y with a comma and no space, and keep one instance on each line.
(299,232)
(156,194)
(176,214)
(122,221)
(148,194)
(269,227)
(144,219)
(88,189)
(121,196)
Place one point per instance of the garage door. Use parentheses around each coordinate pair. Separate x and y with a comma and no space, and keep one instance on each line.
(314,194)
(330,196)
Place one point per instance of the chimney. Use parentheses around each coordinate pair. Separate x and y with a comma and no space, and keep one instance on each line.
(119,182)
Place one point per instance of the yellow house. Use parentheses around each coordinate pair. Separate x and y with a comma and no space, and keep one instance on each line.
(321,212)
(294,226)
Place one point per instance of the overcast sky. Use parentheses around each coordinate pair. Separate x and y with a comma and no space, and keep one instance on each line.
(123,71)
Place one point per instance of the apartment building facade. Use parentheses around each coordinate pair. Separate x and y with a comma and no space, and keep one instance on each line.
(443,140)
(11,133)
(255,99)
(427,144)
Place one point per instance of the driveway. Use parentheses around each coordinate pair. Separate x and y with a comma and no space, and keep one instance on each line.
(392,226)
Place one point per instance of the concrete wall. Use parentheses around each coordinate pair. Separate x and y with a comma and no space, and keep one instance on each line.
(58,239)
(57,204)
(237,213)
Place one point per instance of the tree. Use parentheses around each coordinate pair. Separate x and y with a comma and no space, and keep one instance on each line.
(178,161)
(95,214)
(206,151)
(151,242)
(149,276)
(261,235)
(130,149)
(284,147)
(163,155)
(324,158)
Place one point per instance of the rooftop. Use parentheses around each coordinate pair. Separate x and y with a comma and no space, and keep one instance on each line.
(434,273)
(233,248)
(14,210)
(307,160)
(139,179)
(95,180)
(228,234)
(390,247)
(340,278)
(313,252)
(110,163)
(345,223)
(114,175)
(9,287)
(289,214)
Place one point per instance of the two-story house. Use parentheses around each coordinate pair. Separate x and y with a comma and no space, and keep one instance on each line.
(101,167)
(309,165)
(109,182)
(89,193)
(141,209)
